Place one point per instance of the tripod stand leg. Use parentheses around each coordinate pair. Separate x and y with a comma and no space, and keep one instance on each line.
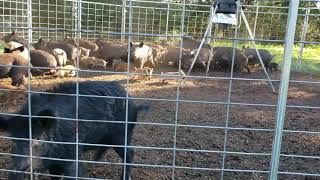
(255,47)
(200,46)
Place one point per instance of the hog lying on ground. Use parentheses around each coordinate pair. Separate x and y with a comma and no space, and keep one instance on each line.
(68,70)
(44,59)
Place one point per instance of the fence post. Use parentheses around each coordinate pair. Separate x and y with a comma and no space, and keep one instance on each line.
(123,22)
(167,22)
(210,27)
(303,38)
(29,20)
(282,99)
(77,35)
(255,22)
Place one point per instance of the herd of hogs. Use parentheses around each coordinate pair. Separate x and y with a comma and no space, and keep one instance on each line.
(60,58)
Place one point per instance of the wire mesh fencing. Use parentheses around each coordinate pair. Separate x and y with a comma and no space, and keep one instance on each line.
(155,120)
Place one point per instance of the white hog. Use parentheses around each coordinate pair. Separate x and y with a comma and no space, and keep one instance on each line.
(60,56)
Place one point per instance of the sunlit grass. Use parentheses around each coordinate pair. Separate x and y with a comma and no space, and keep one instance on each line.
(310,57)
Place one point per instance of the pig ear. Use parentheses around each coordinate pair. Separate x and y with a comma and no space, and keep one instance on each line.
(131,43)
(76,42)
(45,123)
(14,32)
(40,40)
(141,44)
(3,122)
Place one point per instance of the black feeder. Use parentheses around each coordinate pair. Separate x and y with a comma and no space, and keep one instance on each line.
(226,6)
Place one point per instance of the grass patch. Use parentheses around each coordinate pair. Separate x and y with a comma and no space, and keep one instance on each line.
(310,57)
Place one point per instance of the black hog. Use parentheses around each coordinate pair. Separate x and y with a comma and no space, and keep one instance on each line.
(172,55)
(205,55)
(71,51)
(273,67)
(193,44)
(96,109)
(14,36)
(78,42)
(141,54)
(17,74)
(222,56)
(41,58)
(111,50)
(253,58)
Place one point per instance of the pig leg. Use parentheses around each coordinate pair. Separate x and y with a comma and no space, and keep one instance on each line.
(152,61)
(129,157)
(121,150)
(142,64)
(248,69)
(208,66)
(88,53)
(66,169)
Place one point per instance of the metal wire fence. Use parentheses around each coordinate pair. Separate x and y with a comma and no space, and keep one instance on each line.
(222,126)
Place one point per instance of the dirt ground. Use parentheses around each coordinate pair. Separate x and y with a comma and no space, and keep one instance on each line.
(208,138)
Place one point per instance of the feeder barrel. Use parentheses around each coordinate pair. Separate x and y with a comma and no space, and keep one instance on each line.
(226,6)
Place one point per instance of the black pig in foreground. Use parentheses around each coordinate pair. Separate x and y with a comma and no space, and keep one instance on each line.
(92,109)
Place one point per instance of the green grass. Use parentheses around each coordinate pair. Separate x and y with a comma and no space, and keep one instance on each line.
(1,47)
(310,57)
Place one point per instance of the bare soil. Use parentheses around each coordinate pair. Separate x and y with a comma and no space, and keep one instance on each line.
(207,133)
